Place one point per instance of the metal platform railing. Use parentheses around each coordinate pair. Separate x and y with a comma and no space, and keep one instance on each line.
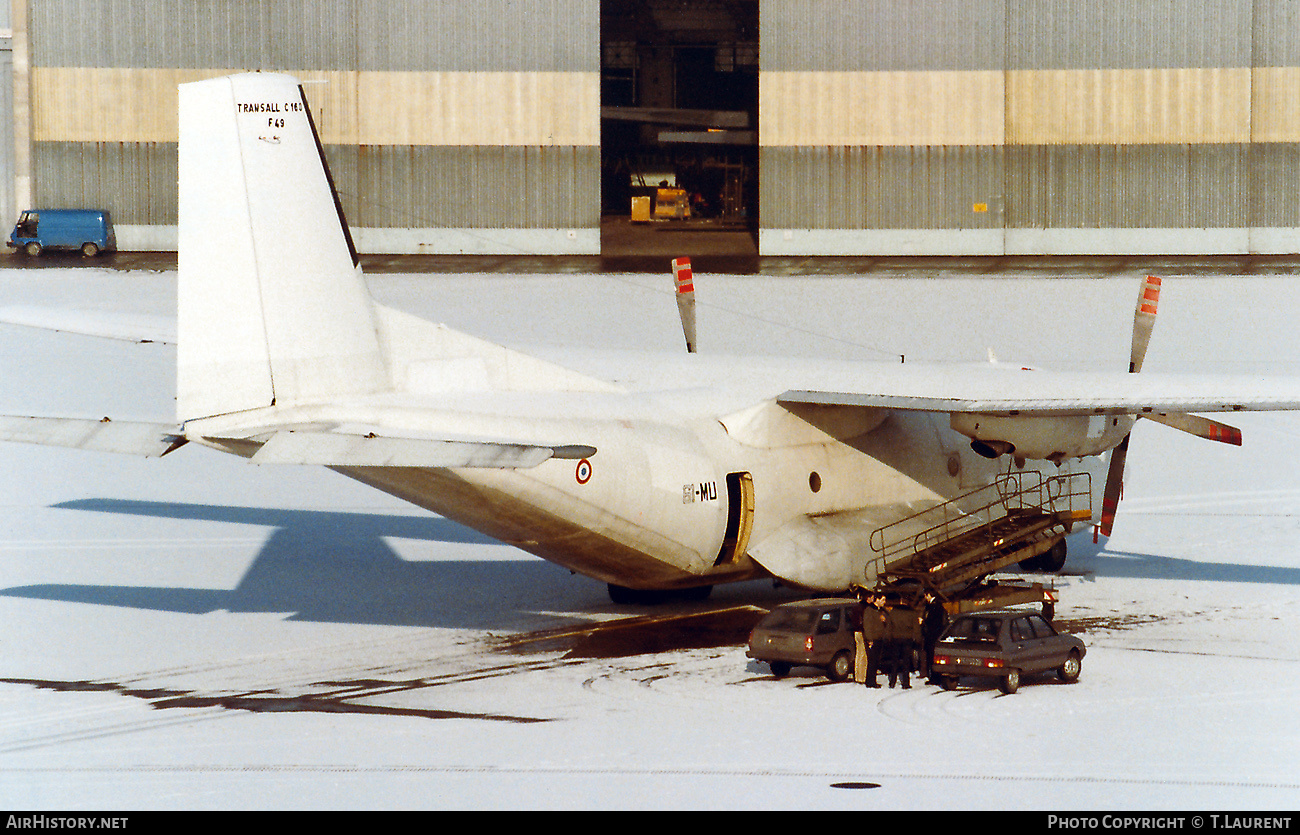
(1062,498)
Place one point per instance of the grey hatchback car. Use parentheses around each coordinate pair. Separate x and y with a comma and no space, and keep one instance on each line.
(1006,646)
(811,633)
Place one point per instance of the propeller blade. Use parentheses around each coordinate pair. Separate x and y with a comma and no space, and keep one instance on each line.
(1201,427)
(1144,319)
(1114,486)
(685,284)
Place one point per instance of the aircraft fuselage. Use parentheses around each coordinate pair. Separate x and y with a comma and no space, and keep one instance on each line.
(670,499)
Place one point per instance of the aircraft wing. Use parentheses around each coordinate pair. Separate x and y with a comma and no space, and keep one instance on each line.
(1006,392)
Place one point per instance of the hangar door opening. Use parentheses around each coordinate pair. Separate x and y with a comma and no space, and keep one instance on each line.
(679,127)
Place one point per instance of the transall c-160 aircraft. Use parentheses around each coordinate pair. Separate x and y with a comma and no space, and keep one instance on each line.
(673,473)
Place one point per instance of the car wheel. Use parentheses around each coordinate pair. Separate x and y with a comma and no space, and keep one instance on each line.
(780,669)
(841,667)
(1069,672)
(1010,682)
(89,249)
(948,682)
(33,249)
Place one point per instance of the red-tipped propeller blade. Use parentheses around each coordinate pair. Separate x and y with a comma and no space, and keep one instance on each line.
(1201,427)
(684,281)
(1144,319)
(1114,485)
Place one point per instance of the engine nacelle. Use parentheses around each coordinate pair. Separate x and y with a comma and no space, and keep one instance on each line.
(1050,437)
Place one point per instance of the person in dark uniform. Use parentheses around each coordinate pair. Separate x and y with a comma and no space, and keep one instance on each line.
(935,619)
(874,621)
(902,634)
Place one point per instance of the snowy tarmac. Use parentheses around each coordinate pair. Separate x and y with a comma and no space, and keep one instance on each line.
(198,632)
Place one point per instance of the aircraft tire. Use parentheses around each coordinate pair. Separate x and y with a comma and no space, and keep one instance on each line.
(1054,560)
(625,596)
(622,595)
(1048,562)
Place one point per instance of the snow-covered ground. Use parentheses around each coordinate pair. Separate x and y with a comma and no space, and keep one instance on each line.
(198,632)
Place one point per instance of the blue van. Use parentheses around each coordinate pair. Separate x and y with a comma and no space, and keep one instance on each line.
(40,229)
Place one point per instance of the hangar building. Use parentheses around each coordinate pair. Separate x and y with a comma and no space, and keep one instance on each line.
(818,127)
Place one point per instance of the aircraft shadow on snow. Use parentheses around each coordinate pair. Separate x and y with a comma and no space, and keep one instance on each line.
(1101,562)
(335,567)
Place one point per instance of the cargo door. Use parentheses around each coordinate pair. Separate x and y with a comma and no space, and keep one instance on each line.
(740,518)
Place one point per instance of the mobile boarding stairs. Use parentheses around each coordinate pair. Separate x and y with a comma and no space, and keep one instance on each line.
(950,549)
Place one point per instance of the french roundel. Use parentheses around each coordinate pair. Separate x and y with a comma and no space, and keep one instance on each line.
(583,473)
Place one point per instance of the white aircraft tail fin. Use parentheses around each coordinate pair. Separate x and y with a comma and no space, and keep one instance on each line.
(273,309)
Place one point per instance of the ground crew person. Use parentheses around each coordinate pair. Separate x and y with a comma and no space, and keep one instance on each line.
(936,618)
(902,634)
(873,636)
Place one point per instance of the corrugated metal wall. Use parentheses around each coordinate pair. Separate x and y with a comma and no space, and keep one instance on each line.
(930,126)
(8,204)
(451,126)
(1028,126)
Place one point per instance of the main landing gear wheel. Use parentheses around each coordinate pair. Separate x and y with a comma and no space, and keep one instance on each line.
(625,596)
(1050,561)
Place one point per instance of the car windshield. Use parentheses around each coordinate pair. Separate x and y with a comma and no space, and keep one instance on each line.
(798,620)
(973,629)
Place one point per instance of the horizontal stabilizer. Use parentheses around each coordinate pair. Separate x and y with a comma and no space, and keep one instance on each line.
(128,327)
(352,450)
(150,440)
